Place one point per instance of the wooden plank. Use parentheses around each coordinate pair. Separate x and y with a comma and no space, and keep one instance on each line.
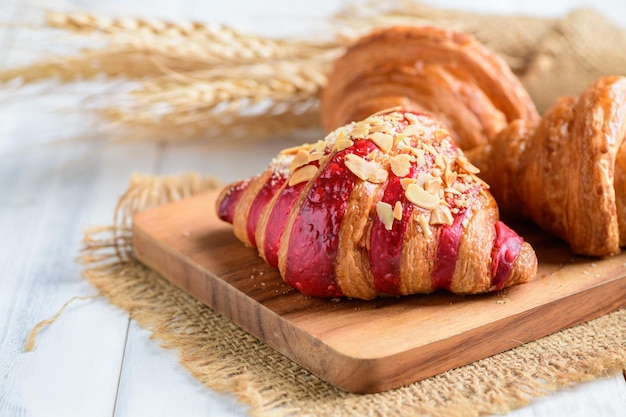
(41,222)
(370,346)
(48,195)
(154,384)
(52,195)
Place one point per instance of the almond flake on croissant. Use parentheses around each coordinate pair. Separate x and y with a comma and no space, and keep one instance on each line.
(568,172)
(387,205)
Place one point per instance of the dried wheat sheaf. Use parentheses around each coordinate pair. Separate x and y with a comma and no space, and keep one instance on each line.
(195,79)
(202,80)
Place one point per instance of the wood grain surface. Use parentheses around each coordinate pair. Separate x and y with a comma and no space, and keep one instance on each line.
(371,346)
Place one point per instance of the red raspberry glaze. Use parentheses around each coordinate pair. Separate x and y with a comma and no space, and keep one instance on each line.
(386,245)
(226,210)
(505,251)
(314,238)
(277,221)
(269,189)
(447,252)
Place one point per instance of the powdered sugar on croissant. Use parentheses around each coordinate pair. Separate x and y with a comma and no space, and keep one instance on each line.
(385,205)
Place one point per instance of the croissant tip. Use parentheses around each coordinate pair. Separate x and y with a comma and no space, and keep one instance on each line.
(525,266)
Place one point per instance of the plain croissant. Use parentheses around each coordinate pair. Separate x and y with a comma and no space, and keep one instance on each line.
(386,205)
(567,173)
(472,92)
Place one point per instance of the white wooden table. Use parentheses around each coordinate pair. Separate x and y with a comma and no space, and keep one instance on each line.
(94,361)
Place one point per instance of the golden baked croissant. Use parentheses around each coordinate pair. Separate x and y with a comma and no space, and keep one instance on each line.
(450,75)
(385,205)
(567,173)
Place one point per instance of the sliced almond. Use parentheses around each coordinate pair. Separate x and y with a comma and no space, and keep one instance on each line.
(400,165)
(411,118)
(303,174)
(421,220)
(413,130)
(385,214)
(440,162)
(372,155)
(397,211)
(379,176)
(461,186)
(466,165)
(441,215)
(481,182)
(405,182)
(433,185)
(341,134)
(360,131)
(301,158)
(320,146)
(295,149)
(419,155)
(430,149)
(383,140)
(422,177)
(315,156)
(383,127)
(441,134)
(421,198)
(360,167)
(398,138)
(449,176)
(342,144)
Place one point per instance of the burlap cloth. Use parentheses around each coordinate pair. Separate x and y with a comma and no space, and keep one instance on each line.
(553,58)
(225,358)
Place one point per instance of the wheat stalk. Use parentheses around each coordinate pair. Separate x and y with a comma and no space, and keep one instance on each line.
(133,45)
(210,104)
(200,79)
(196,79)
(210,44)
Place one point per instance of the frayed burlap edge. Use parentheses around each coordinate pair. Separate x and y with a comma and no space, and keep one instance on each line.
(225,358)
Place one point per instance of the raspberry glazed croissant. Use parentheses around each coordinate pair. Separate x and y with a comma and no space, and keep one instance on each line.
(567,173)
(450,75)
(387,205)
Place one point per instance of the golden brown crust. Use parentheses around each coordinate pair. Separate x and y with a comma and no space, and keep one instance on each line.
(524,266)
(243,207)
(448,74)
(353,273)
(568,175)
(499,163)
(472,274)
(418,260)
(597,133)
(620,192)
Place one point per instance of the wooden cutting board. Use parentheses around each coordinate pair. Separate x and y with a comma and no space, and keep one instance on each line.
(371,346)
